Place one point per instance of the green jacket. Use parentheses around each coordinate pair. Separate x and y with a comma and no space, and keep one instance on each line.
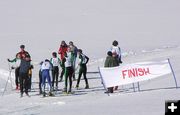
(111,62)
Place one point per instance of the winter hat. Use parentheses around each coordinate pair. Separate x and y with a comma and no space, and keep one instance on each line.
(109,53)
(115,43)
(46,60)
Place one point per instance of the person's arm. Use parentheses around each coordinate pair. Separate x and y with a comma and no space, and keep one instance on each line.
(13,60)
(87,59)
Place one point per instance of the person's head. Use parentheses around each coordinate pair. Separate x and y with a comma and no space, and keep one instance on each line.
(71,43)
(109,53)
(54,54)
(63,43)
(22,47)
(18,56)
(115,43)
(80,51)
(69,49)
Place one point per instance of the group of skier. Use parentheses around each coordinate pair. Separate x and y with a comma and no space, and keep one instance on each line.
(67,63)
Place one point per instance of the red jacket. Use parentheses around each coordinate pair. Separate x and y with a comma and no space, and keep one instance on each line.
(62,51)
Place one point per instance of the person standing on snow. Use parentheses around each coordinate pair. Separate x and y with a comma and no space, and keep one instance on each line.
(55,61)
(74,53)
(24,74)
(83,68)
(116,49)
(17,61)
(20,55)
(111,61)
(68,70)
(62,51)
(45,68)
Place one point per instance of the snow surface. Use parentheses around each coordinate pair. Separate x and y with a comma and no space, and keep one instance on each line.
(146,31)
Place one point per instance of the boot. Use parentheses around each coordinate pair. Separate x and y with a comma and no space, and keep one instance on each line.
(77,86)
(87,86)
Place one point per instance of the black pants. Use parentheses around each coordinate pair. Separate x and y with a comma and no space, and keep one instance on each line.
(29,81)
(17,76)
(68,74)
(62,72)
(55,74)
(23,77)
(40,81)
(82,70)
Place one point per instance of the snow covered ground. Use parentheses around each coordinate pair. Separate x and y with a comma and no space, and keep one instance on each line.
(150,100)
(146,31)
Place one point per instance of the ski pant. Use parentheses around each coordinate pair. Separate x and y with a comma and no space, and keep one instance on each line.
(29,81)
(82,70)
(62,72)
(40,81)
(68,74)
(17,76)
(74,67)
(55,74)
(23,77)
(46,75)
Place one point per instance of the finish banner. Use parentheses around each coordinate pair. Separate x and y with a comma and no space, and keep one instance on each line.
(131,73)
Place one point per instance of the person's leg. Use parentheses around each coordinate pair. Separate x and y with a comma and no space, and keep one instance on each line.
(79,77)
(56,76)
(70,78)
(85,78)
(49,81)
(43,81)
(74,68)
(40,82)
(62,73)
(17,77)
(66,79)
(26,83)
(21,83)
(53,77)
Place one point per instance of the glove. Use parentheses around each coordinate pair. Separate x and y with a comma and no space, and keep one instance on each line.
(12,67)
(8,60)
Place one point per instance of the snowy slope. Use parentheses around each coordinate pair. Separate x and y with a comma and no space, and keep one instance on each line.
(146,31)
(150,101)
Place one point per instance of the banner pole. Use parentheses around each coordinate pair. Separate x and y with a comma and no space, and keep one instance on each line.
(138,86)
(173,72)
(133,87)
(103,82)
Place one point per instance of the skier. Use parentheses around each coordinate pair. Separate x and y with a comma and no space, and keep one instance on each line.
(111,61)
(20,55)
(55,61)
(16,67)
(68,70)
(83,68)
(116,49)
(23,74)
(74,50)
(45,68)
(62,51)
